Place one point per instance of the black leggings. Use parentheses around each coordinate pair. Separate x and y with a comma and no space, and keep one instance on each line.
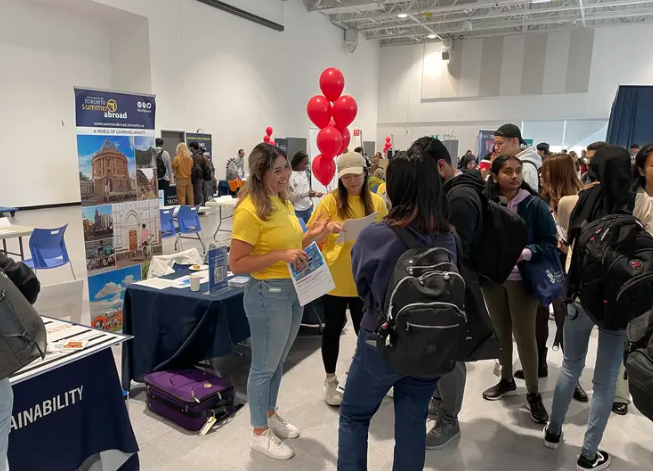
(335,318)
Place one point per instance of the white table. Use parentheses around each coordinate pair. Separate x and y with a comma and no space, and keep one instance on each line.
(222,202)
(15,232)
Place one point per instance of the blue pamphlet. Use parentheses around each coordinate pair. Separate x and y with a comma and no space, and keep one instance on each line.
(218,270)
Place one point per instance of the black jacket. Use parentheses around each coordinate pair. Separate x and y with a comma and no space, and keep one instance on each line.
(466,208)
(22,276)
(466,215)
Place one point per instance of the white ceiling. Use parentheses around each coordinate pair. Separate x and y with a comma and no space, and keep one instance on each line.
(424,20)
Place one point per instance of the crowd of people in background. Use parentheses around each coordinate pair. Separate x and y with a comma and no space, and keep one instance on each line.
(423,191)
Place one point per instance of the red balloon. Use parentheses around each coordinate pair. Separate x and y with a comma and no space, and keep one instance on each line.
(388,139)
(319,111)
(266,138)
(269,131)
(332,83)
(346,139)
(324,169)
(272,143)
(329,141)
(345,110)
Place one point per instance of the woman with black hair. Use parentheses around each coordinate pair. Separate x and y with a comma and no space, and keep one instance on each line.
(351,200)
(418,204)
(611,167)
(299,187)
(513,306)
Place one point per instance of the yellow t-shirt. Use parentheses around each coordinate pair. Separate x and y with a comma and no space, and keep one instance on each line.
(381,191)
(281,232)
(338,256)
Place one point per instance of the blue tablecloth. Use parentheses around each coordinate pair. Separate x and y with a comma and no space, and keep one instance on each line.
(62,417)
(176,328)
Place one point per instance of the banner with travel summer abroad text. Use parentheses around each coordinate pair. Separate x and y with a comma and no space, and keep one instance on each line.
(119,194)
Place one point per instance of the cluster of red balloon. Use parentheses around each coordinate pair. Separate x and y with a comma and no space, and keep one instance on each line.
(388,145)
(268,136)
(332,112)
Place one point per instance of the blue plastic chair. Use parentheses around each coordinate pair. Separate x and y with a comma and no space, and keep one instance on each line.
(167,224)
(189,223)
(48,248)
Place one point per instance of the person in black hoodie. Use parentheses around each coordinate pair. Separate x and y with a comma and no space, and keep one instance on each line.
(415,191)
(25,280)
(463,192)
(199,173)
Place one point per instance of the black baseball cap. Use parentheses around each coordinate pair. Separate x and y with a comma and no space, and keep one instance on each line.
(510,131)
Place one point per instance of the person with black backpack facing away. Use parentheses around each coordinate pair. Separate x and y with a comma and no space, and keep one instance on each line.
(201,172)
(513,304)
(395,346)
(610,283)
(467,205)
(163,165)
(25,280)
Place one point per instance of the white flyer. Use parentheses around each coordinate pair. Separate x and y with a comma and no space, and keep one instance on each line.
(352,228)
(315,280)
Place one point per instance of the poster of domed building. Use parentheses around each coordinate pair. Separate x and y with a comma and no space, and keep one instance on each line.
(119,194)
(107,169)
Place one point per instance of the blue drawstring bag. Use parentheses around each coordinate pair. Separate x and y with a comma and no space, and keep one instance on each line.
(544,275)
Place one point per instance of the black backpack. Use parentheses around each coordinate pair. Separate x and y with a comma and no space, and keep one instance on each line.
(160,166)
(612,270)
(504,237)
(423,320)
(639,363)
(23,338)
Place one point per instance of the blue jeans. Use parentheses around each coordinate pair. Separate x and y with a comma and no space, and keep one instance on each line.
(6,404)
(274,315)
(305,215)
(611,346)
(369,380)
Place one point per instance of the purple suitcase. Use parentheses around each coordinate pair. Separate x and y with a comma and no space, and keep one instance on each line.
(189,397)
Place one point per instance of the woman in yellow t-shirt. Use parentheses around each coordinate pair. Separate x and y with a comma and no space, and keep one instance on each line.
(266,237)
(352,200)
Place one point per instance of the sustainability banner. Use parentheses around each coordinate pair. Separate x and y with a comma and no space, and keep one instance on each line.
(120,201)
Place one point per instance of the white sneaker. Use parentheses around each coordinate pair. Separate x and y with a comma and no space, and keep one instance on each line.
(332,396)
(281,427)
(270,445)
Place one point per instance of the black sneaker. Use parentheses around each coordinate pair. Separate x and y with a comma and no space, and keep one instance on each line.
(539,415)
(503,388)
(601,460)
(542,372)
(550,440)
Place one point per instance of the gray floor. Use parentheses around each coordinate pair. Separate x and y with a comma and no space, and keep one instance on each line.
(496,436)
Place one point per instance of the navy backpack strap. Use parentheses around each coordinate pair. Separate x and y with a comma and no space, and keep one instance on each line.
(407,237)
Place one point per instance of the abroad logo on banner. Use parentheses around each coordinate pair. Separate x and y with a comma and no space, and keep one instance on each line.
(108,107)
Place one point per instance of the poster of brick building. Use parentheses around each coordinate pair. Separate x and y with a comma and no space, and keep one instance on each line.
(119,194)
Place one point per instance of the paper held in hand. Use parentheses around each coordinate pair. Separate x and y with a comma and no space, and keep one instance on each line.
(353,227)
(315,280)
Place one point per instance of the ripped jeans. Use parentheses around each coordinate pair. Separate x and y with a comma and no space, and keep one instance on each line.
(274,315)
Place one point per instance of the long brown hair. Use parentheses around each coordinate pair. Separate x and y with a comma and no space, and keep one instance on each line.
(559,178)
(261,163)
(342,199)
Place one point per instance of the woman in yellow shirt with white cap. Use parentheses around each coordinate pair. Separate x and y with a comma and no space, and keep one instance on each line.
(351,200)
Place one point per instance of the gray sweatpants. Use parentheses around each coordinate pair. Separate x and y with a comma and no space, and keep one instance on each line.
(450,391)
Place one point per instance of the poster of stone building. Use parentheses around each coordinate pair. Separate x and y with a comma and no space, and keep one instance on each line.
(119,194)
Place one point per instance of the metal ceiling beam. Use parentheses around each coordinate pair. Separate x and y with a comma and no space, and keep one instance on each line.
(615,3)
(327,6)
(582,12)
(563,19)
(455,7)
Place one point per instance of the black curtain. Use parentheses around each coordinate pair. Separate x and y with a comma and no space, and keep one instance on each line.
(631,119)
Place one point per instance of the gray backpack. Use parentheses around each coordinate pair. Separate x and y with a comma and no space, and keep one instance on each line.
(23,337)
